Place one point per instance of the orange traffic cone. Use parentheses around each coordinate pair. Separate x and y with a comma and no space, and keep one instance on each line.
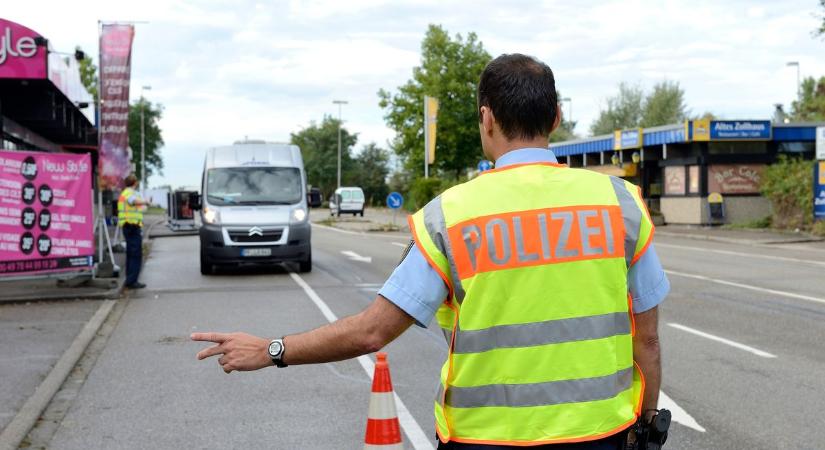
(383,430)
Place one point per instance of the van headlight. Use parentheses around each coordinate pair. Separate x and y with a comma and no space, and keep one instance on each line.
(211,216)
(299,215)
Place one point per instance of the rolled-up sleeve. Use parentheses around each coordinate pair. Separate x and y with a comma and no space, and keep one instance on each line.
(416,288)
(647,282)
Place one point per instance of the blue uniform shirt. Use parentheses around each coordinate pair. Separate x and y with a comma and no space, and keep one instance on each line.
(416,287)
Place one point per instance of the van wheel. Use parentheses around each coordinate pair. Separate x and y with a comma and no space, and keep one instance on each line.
(206,267)
(362,213)
(338,213)
(306,265)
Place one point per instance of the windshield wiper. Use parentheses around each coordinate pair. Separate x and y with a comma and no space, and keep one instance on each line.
(223,199)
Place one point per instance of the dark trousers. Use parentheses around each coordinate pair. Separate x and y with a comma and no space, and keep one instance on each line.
(134,252)
(609,443)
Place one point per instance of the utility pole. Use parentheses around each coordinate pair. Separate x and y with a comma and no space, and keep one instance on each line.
(339,103)
(143,139)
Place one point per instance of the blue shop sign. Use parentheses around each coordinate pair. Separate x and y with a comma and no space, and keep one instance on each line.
(819,190)
(740,130)
(626,139)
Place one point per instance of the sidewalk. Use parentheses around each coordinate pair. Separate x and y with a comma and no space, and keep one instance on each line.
(380,220)
(739,236)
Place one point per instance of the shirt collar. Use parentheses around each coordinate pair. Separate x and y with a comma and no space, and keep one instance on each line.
(525,156)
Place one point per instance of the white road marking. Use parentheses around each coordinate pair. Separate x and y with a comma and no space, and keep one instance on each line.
(356,257)
(749,255)
(712,337)
(399,244)
(745,286)
(418,439)
(678,414)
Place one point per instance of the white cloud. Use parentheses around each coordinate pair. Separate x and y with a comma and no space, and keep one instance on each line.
(263,69)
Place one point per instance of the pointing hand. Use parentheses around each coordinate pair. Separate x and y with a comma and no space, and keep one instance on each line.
(239,351)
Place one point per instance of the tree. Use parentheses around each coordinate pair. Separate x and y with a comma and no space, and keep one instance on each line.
(370,172)
(319,147)
(88,74)
(631,108)
(152,135)
(623,111)
(811,106)
(664,105)
(821,30)
(565,130)
(449,71)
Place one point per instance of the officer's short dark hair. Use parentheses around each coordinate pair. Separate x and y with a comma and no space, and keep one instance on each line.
(130,180)
(521,91)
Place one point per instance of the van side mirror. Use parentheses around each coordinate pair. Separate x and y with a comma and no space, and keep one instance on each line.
(195,201)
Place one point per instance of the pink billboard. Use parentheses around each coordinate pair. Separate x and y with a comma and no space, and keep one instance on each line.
(46,222)
(20,56)
(115,72)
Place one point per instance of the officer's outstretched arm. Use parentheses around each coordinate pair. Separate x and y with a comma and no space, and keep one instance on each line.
(646,353)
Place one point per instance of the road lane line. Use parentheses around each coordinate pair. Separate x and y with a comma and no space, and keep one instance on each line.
(712,337)
(412,429)
(745,286)
(678,414)
(356,257)
(749,255)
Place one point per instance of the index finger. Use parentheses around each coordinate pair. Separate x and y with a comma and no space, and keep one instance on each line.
(217,338)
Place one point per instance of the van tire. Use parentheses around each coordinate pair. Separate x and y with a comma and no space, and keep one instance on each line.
(362,213)
(206,267)
(306,265)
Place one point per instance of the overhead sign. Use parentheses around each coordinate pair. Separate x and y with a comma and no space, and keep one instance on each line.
(394,200)
(627,139)
(731,130)
(819,190)
(115,72)
(484,165)
(46,222)
(20,56)
(820,143)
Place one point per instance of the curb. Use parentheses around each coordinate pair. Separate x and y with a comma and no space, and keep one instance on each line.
(704,237)
(27,416)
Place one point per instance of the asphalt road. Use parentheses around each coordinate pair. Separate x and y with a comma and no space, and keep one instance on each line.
(742,335)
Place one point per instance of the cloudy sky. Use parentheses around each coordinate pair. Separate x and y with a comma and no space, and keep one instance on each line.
(228,69)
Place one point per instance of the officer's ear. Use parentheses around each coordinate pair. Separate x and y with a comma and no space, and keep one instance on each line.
(487,120)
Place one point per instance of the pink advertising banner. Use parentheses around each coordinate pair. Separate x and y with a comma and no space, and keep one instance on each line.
(115,72)
(20,56)
(46,222)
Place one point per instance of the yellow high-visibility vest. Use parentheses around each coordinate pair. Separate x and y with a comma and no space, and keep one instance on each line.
(538,318)
(126,213)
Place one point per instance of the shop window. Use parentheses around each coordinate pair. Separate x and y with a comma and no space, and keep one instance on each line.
(693,180)
(675,180)
(795,147)
(737,148)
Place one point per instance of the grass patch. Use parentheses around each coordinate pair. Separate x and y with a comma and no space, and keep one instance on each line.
(384,227)
(329,221)
(762,223)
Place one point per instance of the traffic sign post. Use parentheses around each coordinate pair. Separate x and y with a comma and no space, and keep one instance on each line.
(394,202)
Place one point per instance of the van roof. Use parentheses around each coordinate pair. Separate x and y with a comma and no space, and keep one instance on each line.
(254,153)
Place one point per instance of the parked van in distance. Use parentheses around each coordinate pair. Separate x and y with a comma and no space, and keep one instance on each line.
(347,200)
(254,206)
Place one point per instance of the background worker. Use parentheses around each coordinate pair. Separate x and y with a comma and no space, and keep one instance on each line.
(130,206)
(528,269)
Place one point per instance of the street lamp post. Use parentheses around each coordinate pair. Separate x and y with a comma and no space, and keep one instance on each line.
(570,118)
(798,86)
(143,138)
(339,103)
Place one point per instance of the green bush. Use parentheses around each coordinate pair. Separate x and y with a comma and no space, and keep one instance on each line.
(422,190)
(819,228)
(788,185)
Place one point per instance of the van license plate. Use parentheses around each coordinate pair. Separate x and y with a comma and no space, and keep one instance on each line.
(256,252)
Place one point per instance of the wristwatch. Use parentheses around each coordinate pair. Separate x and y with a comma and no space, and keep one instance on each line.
(276,352)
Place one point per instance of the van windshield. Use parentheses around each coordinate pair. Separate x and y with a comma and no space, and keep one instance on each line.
(253,186)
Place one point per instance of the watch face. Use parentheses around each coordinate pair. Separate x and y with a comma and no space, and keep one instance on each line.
(275,349)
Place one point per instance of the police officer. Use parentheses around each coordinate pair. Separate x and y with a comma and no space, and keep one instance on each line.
(542,277)
(130,206)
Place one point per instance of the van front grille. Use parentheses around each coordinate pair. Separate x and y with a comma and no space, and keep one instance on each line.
(244,236)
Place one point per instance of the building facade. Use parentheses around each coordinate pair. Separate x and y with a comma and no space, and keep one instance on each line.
(699,172)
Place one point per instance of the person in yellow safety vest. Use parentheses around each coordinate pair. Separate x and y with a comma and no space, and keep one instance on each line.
(130,206)
(543,279)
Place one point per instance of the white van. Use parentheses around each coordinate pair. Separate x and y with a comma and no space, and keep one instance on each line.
(254,207)
(347,200)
